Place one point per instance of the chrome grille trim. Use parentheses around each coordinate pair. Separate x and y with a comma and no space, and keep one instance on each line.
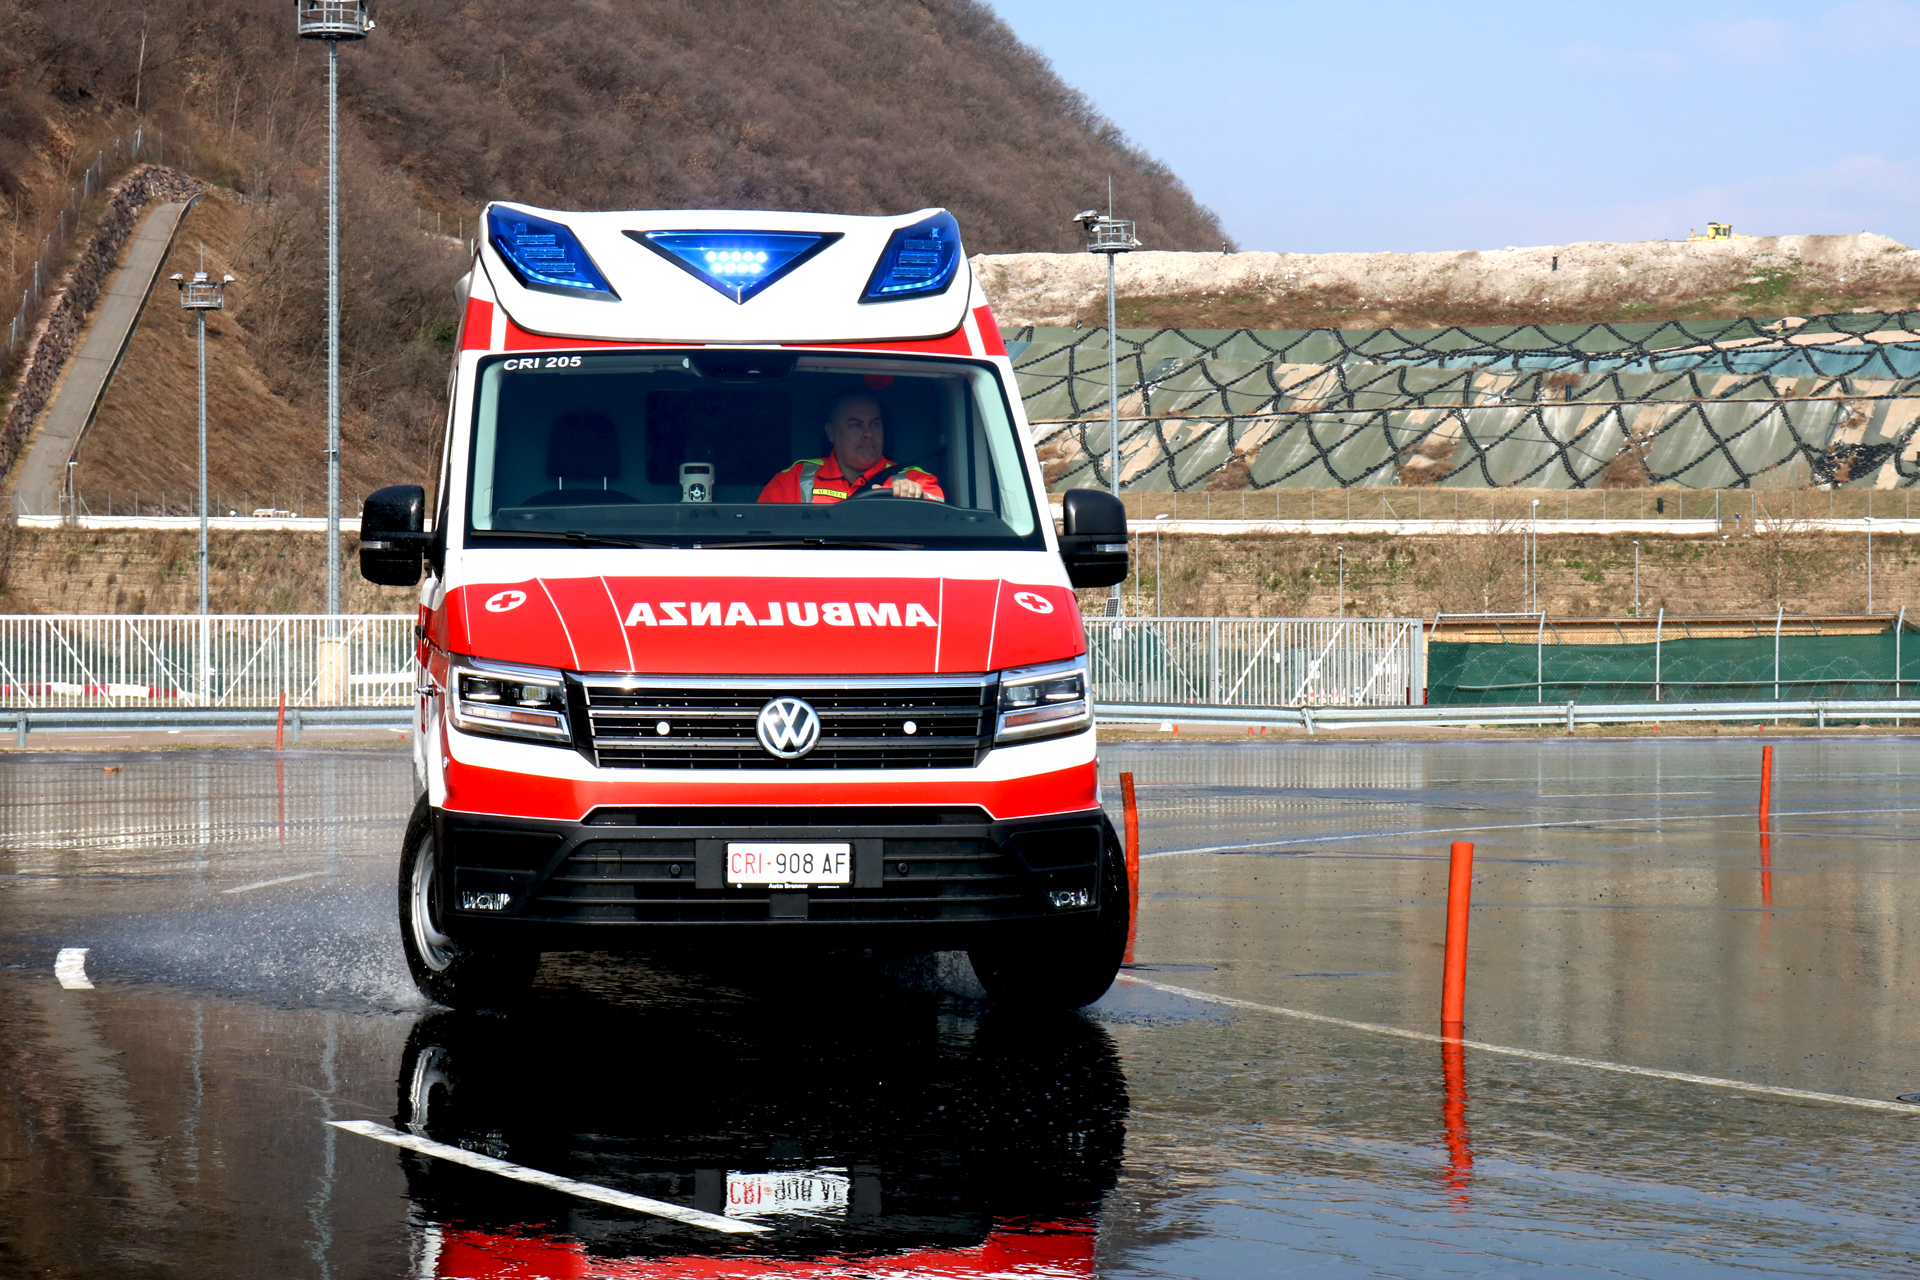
(712,721)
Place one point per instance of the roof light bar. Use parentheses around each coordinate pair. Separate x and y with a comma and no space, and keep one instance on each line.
(918,261)
(739,264)
(546,256)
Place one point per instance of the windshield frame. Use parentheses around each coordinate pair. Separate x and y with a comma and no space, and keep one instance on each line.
(1015,483)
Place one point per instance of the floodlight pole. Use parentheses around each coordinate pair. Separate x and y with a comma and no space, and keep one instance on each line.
(200,324)
(201,295)
(333,332)
(333,21)
(1110,235)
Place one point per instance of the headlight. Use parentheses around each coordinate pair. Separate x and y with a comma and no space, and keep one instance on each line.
(505,701)
(1043,702)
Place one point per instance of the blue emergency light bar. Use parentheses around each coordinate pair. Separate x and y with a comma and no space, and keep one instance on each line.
(919,260)
(546,255)
(737,263)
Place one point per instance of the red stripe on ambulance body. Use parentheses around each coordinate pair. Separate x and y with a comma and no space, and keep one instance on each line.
(504,793)
(508,622)
(989,332)
(476,327)
(767,626)
(592,624)
(1016,1249)
(476,334)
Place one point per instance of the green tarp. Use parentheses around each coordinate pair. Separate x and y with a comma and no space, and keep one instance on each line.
(1730,670)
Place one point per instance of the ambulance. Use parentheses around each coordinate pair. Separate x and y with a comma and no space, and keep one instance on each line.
(744,626)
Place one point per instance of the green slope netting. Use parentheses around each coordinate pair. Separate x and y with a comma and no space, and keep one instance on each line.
(1704,404)
(1726,670)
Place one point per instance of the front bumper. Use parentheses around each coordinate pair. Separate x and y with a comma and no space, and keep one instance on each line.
(932,877)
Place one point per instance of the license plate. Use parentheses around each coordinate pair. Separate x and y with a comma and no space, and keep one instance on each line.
(815,1191)
(789,866)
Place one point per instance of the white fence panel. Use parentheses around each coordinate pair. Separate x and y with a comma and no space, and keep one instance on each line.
(1257,662)
(51,661)
(220,661)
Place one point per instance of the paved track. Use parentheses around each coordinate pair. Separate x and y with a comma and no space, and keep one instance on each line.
(1685,1044)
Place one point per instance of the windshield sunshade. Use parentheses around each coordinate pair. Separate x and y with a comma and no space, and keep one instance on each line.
(677,449)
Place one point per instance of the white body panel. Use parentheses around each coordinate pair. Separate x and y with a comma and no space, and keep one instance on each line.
(659,302)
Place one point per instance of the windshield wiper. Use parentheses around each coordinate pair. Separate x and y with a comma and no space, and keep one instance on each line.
(572,537)
(849,543)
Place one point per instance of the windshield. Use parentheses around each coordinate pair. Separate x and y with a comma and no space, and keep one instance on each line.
(725,447)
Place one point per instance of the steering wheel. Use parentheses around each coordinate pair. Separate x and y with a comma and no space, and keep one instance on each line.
(880,486)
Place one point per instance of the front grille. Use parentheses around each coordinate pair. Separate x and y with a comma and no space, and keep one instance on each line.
(922,880)
(710,723)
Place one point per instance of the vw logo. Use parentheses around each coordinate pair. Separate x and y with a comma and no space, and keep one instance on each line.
(788,728)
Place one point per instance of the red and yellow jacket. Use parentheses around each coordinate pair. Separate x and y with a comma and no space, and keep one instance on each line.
(820,480)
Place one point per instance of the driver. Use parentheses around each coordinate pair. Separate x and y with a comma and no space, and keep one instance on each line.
(856,463)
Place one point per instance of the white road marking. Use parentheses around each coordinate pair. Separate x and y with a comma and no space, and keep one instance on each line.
(70,966)
(1533,1055)
(1598,820)
(261,884)
(553,1182)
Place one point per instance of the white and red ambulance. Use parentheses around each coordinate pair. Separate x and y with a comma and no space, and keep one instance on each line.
(744,621)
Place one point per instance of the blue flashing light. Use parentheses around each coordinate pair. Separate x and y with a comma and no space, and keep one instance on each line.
(738,264)
(546,256)
(918,261)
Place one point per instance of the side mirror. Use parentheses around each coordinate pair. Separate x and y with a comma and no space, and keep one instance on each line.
(1094,545)
(393,535)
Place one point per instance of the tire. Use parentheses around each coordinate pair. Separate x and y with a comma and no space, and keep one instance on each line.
(1068,967)
(446,971)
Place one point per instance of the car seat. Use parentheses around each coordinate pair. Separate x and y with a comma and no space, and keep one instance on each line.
(584,449)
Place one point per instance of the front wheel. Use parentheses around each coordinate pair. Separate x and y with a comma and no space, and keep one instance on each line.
(1070,966)
(449,972)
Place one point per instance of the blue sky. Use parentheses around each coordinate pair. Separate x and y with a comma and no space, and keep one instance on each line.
(1350,126)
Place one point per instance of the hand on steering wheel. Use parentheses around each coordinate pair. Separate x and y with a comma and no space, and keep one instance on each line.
(889,483)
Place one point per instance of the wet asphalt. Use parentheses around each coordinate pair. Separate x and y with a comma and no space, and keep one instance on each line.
(1218,1114)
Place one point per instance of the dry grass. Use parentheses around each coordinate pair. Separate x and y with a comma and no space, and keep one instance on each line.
(148,572)
(1793,568)
(259,439)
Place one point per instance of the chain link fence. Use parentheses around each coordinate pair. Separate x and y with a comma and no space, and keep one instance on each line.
(1832,400)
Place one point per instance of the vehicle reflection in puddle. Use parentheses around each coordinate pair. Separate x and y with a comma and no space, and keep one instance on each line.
(900,1140)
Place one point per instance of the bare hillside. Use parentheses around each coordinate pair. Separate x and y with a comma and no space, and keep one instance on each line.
(854,106)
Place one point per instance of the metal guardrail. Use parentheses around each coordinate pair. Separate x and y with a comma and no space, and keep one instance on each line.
(21,722)
(313,660)
(1570,714)
(1372,662)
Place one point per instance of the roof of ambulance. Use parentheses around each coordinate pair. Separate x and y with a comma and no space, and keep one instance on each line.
(659,300)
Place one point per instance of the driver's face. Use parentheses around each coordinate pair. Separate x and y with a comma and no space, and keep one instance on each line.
(857,433)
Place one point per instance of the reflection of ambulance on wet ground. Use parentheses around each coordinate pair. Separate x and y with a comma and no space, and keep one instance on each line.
(744,623)
(917,1140)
